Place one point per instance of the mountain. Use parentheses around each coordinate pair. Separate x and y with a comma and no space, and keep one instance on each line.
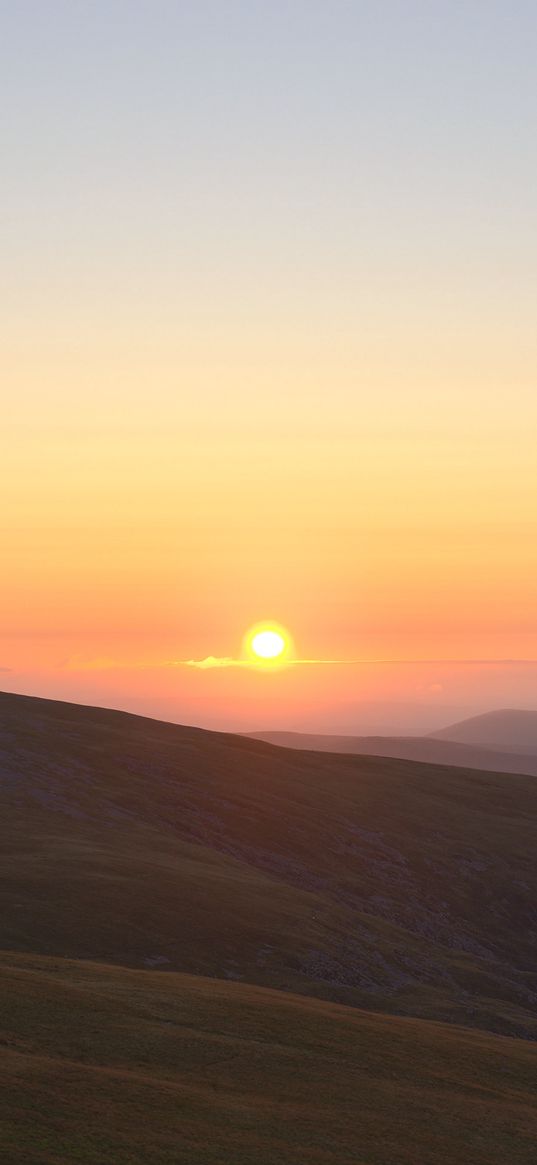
(510,729)
(427,749)
(274,935)
(380,883)
(103,1065)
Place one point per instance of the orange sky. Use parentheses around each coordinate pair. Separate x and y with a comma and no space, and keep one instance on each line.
(372,530)
(270,353)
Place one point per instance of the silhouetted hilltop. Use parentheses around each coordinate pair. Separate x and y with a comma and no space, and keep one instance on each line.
(509,729)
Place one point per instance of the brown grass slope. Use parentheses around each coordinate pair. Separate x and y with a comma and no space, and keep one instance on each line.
(425,749)
(104,1065)
(381,883)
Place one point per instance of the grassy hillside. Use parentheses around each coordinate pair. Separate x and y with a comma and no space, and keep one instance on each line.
(102,1064)
(381,883)
(425,749)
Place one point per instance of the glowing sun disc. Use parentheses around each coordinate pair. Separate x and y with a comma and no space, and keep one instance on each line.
(268,644)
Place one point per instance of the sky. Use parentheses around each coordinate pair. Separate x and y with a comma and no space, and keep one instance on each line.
(269,353)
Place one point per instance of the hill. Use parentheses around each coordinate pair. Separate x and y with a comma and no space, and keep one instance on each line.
(103,1064)
(426,749)
(380,883)
(510,729)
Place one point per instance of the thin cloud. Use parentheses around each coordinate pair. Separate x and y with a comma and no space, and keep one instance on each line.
(213,661)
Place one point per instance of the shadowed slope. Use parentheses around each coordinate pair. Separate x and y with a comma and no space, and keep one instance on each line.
(106,1064)
(378,882)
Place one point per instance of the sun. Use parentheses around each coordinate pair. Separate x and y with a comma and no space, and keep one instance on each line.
(268,643)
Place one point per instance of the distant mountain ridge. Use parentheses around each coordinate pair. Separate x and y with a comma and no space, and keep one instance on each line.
(434,749)
(508,729)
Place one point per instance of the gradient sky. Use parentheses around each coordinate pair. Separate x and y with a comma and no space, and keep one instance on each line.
(268,296)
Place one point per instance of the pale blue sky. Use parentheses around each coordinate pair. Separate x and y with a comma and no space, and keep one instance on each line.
(299,141)
(347,186)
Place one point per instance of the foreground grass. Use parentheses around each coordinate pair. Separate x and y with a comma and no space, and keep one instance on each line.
(103,1064)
